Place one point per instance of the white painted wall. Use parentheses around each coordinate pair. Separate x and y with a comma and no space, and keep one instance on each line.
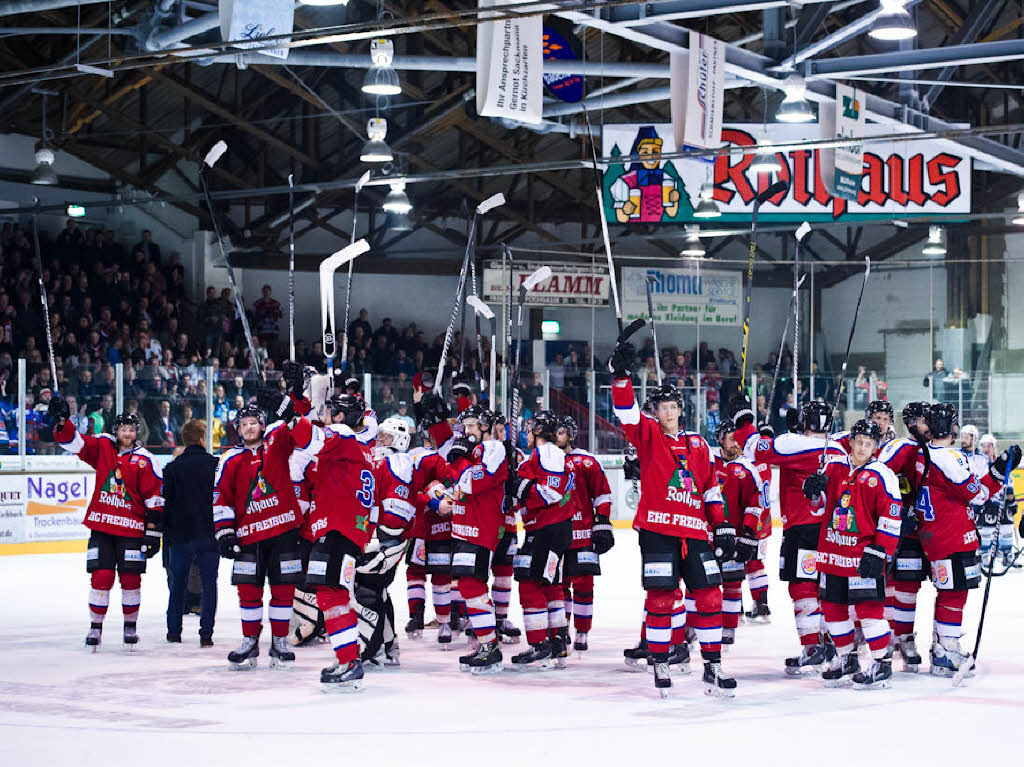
(1014,291)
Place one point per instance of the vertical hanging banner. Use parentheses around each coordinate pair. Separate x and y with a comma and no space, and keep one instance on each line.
(256,19)
(697,93)
(509,66)
(843,167)
(561,45)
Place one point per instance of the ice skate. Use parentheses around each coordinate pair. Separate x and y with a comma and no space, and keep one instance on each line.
(878,677)
(946,661)
(245,656)
(392,655)
(678,659)
(414,628)
(281,654)
(560,648)
(841,669)
(444,635)
(338,678)
(760,612)
(486,660)
(507,632)
(636,657)
(93,638)
(662,679)
(907,648)
(811,659)
(130,637)
(537,656)
(716,683)
(580,643)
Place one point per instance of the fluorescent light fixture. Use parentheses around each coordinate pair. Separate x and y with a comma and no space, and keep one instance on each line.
(765,161)
(707,207)
(894,23)
(693,246)
(44,174)
(550,327)
(794,108)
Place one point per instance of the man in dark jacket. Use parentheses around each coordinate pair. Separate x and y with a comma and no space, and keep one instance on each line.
(188,531)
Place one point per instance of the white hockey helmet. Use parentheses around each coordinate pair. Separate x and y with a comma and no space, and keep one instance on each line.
(987,438)
(401,435)
(970,429)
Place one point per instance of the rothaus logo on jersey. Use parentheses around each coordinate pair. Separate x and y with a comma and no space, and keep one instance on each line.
(114,493)
(681,487)
(843,517)
(261,496)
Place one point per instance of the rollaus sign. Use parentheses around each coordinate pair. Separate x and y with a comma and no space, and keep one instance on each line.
(902,178)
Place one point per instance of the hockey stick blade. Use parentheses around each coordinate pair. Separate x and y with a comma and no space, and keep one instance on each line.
(631,328)
(867,267)
(343,256)
(215,153)
(490,203)
(778,187)
(802,231)
(539,276)
(480,307)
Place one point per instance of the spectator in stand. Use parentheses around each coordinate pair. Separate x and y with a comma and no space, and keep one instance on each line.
(388,331)
(165,426)
(148,248)
(861,388)
(711,420)
(70,240)
(933,379)
(402,413)
(267,311)
(556,373)
(382,362)
(362,324)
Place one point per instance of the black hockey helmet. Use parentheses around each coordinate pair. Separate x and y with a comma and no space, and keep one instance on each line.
(569,424)
(664,393)
(126,419)
(867,428)
(725,427)
(251,410)
(648,406)
(545,424)
(879,406)
(943,419)
(815,416)
(478,413)
(352,385)
(914,410)
(351,405)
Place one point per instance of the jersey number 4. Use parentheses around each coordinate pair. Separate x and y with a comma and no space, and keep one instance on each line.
(924,507)
(365,496)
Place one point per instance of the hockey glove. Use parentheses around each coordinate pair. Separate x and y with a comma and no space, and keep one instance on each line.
(815,486)
(872,562)
(461,448)
(58,411)
(746,545)
(601,534)
(766,430)
(740,410)
(725,541)
(151,543)
(631,464)
(228,544)
(998,469)
(294,377)
(621,362)
(381,556)
(433,410)
(273,402)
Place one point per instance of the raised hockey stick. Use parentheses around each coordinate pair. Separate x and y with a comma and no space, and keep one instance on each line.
(654,328)
(965,667)
(42,297)
(489,204)
(209,161)
(782,344)
(778,187)
(291,268)
(846,361)
(483,310)
(328,267)
(348,283)
(598,190)
(802,231)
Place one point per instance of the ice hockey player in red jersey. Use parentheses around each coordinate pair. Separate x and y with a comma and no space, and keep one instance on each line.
(543,487)
(910,565)
(798,455)
(502,571)
(256,520)
(592,533)
(745,499)
(376,568)
(680,511)
(948,536)
(478,472)
(124,516)
(861,500)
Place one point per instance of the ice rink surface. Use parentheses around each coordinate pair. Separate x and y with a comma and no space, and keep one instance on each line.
(178,704)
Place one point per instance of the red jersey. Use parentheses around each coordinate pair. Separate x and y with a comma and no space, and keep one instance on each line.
(128,483)
(394,494)
(593,495)
(797,456)
(944,523)
(430,476)
(862,507)
(679,495)
(478,493)
(551,499)
(253,493)
(744,494)
(303,480)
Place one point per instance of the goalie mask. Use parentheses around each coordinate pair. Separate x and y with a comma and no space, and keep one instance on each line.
(398,431)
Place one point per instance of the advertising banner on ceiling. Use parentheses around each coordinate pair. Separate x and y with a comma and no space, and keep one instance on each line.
(256,19)
(697,91)
(683,295)
(570,284)
(509,66)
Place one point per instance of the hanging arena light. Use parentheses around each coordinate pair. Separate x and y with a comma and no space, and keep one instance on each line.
(381,78)
(766,160)
(397,201)
(894,23)
(936,245)
(376,150)
(707,207)
(794,108)
(693,246)
(44,173)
